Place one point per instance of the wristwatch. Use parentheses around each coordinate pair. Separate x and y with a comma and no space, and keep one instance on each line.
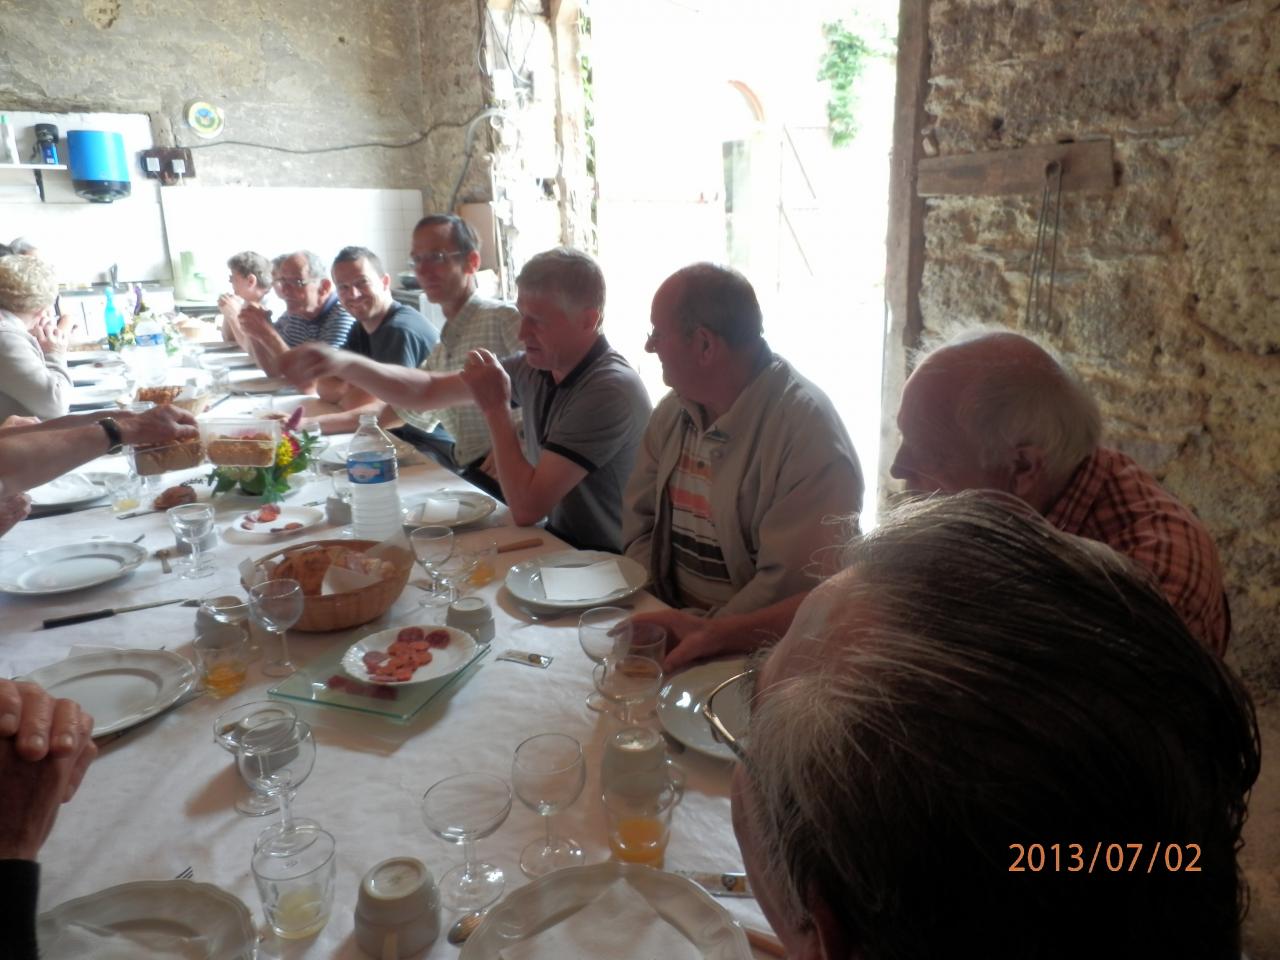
(112,430)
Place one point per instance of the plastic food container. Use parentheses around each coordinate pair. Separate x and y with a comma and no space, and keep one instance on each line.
(240,442)
(152,461)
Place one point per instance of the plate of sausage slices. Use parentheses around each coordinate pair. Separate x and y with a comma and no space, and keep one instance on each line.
(406,655)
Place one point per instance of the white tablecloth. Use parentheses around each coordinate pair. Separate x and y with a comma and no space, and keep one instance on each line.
(161,797)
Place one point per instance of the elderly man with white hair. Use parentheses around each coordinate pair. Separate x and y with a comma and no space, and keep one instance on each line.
(989,738)
(996,411)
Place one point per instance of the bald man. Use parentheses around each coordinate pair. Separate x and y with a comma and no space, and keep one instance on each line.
(994,410)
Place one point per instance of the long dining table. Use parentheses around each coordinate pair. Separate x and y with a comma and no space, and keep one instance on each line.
(160,798)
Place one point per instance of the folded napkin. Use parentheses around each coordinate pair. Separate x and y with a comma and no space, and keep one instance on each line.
(436,510)
(582,583)
(64,489)
(122,943)
(619,915)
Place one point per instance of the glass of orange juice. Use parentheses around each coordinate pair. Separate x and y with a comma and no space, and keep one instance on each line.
(222,652)
(638,812)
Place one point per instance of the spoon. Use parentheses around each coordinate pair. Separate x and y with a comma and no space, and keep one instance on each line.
(465,927)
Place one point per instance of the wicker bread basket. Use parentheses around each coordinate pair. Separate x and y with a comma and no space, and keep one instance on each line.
(338,611)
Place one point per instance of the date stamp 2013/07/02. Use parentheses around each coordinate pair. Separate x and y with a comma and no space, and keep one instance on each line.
(1103,857)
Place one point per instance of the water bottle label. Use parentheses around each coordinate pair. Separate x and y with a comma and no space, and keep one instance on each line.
(149,340)
(371,468)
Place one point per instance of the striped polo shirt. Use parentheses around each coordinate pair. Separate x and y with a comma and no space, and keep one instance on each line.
(700,575)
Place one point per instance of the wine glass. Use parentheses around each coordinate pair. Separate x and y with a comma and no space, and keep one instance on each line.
(547,775)
(598,632)
(229,728)
(433,546)
(454,573)
(276,605)
(632,672)
(463,809)
(275,757)
(319,446)
(191,523)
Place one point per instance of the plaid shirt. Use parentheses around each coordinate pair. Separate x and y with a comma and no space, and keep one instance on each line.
(481,322)
(1112,499)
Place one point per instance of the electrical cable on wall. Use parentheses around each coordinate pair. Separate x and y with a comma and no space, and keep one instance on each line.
(443,125)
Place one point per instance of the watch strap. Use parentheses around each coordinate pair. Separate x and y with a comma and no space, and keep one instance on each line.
(112,430)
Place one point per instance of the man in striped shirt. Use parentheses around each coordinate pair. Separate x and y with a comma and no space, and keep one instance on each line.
(312,314)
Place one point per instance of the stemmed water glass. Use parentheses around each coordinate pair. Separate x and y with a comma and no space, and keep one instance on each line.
(547,775)
(463,809)
(275,758)
(191,523)
(230,727)
(276,605)
(599,630)
(432,546)
(632,672)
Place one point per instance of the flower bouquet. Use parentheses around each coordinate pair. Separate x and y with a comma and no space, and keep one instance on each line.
(293,454)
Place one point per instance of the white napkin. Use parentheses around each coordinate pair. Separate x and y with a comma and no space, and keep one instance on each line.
(436,510)
(64,489)
(106,943)
(619,915)
(582,583)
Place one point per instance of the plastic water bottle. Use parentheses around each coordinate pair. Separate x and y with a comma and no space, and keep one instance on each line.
(373,471)
(150,358)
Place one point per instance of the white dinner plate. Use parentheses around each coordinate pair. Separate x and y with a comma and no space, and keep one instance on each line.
(473,506)
(99,376)
(530,909)
(119,688)
(444,661)
(97,395)
(683,696)
(256,385)
(72,566)
(220,346)
(308,517)
(77,357)
(231,361)
(179,917)
(67,492)
(524,580)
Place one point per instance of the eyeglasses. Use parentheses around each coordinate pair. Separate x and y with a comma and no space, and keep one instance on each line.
(288,283)
(435,258)
(718,729)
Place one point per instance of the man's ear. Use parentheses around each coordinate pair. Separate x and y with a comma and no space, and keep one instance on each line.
(326,286)
(1027,476)
(473,261)
(707,347)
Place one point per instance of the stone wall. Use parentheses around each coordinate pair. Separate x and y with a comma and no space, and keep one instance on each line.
(1168,287)
(290,74)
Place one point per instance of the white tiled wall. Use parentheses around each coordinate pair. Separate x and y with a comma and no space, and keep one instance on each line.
(216,222)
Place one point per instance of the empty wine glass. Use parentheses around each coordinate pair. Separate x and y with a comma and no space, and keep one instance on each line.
(454,573)
(192,523)
(229,729)
(463,809)
(598,631)
(276,605)
(632,672)
(547,775)
(275,757)
(432,546)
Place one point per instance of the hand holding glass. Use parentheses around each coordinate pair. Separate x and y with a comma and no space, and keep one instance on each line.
(548,775)
(632,672)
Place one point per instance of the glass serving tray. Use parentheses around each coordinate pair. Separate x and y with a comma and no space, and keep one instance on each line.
(324,682)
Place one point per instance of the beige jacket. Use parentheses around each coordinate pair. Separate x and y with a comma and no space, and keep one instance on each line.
(31,384)
(786,488)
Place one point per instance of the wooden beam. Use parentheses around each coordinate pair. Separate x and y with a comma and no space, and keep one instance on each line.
(905,240)
(1085,166)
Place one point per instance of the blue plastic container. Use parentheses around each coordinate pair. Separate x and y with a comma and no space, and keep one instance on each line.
(99,167)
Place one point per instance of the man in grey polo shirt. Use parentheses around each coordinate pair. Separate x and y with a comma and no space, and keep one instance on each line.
(584,409)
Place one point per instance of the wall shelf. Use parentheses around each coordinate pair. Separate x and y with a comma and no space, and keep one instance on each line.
(33,166)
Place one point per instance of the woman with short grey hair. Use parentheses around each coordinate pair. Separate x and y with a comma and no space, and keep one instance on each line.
(34,381)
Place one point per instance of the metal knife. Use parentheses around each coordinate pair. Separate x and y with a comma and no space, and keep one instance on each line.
(103,614)
(719,884)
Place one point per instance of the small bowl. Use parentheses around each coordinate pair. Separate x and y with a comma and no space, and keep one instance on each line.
(398,906)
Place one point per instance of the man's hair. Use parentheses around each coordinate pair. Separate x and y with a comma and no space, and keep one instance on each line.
(27,284)
(249,263)
(5,251)
(570,276)
(1011,403)
(356,254)
(315,266)
(22,246)
(986,681)
(460,232)
(720,299)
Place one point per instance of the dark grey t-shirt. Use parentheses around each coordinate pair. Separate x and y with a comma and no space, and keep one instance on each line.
(595,417)
(404,337)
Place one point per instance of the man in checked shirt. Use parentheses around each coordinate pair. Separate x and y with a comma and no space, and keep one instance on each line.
(994,410)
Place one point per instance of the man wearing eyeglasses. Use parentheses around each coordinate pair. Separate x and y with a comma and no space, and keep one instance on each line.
(746,477)
(989,738)
(312,311)
(385,331)
(446,256)
(583,407)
